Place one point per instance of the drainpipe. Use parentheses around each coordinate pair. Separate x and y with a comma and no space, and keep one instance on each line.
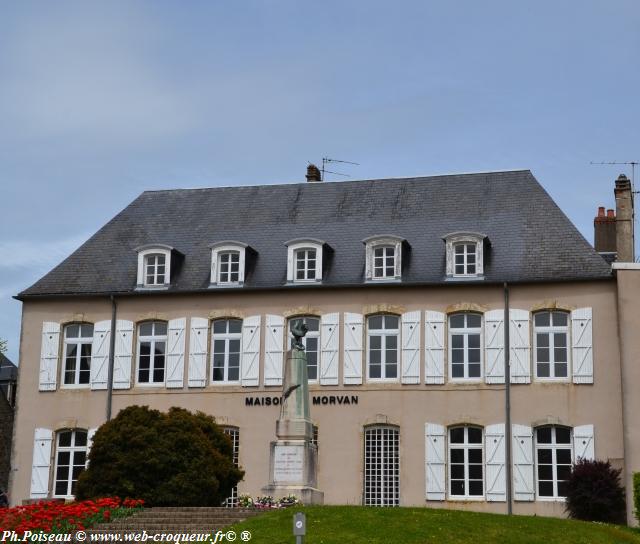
(112,347)
(507,398)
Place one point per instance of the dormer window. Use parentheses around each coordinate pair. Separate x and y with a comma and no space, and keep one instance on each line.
(465,255)
(228,263)
(154,266)
(383,257)
(304,260)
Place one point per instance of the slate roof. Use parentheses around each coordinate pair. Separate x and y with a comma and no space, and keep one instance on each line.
(531,238)
(8,371)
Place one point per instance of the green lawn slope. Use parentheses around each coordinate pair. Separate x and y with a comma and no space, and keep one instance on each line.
(362,525)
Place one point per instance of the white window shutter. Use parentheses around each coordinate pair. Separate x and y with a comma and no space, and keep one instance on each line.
(49,356)
(583,445)
(41,462)
(494,345)
(90,434)
(411,347)
(198,339)
(581,336)
(434,347)
(353,329)
(100,354)
(522,454)
(435,461)
(329,341)
(273,349)
(175,352)
(250,365)
(495,462)
(519,346)
(123,355)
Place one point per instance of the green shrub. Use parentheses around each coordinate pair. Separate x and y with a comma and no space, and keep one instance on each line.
(167,459)
(594,492)
(636,494)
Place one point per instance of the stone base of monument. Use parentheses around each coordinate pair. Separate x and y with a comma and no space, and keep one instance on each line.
(293,471)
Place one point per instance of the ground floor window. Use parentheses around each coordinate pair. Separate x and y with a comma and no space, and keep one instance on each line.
(553,460)
(466,474)
(382,466)
(71,457)
(234,434)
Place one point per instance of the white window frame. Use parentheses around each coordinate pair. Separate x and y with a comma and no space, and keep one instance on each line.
(553,446)
(302,244)
(234,435)
(550,331)
(374,242)
(310,334)
(387,437)
(147,251)
(227,337)
(384,333)
(217,250)
(78,342)
(465,331)
(456,238)
(152,339)
(73,449)
(466,446)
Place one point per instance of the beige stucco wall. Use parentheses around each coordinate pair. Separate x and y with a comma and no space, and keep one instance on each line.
(340,427)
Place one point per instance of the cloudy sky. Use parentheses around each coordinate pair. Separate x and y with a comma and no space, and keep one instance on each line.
(102,100)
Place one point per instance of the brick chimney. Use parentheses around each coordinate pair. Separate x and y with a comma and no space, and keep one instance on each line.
(313,174)
(604,227)
(624,220)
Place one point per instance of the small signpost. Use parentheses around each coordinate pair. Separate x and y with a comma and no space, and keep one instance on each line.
(299,527)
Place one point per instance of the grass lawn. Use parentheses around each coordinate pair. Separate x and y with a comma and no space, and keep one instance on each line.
(362,525)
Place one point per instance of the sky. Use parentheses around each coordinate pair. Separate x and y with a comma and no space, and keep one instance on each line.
(100,101)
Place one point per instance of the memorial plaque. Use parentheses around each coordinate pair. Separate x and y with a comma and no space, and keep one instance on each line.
(288,464)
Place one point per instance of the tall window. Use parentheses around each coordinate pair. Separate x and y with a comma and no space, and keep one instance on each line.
(229,267)
(154,266)
(234,434)
(465,351)
(77,354)
(225,356)
(152,347)
(71,456)
(466,478)
(465,259)
(551,337)
(382,466)
(305,264)
(384,262)
(383,334)
(553,460)
(311,343)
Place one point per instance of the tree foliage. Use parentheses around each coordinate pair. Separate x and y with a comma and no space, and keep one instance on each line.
(168,459)
(636,494)
(594,492)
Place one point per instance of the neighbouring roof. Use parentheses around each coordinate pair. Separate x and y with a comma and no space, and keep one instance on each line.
(8,371)
(530,238)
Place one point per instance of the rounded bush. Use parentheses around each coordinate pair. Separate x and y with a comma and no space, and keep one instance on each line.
(168,459)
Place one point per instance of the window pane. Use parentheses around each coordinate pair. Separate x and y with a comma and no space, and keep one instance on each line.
(474,320)
(459,269)
(374,371)
(459,249)
(562,489)
(457,341)
(146,329)
(474,370)
(457,487)
(474,355)
(220,326)
(457,456)
(560,340)
(235,325)
(234,374)
(392,342)
(86,331)
(545,472)
(143,376)
(563,472)
(391,370)
(64,439)
(218,372)
(72,331)
(544,435)
(160,328)
(456,321)
(158,374)
(471,269)
(457,371)
(475,488)
(545,489)
(391,322)
(81,438)
(543,370)
(375,342)
(559,319)
(375,322)
(457,471)
(563,456)
(475,456)
(544,456)
(457,435)
(64,457)
(542,319)
(542,355)
(563,435)
(560,370)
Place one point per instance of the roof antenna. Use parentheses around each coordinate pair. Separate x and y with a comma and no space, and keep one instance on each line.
(327,160)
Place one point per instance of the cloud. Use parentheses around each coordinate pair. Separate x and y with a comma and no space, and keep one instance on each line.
(34,256)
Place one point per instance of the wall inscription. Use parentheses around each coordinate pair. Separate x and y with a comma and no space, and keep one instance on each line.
(288,464)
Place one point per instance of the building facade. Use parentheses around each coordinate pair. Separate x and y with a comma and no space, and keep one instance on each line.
(411,288)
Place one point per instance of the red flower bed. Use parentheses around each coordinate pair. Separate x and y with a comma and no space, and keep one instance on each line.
(58,517)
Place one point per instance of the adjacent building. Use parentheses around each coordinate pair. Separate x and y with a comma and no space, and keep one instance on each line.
(8,379)
(411,289)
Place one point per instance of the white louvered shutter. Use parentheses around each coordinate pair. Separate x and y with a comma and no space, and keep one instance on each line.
(496,469)
(353,328)
(522,455)
(494,345)
(329,341)
(582,338)
(273,349)
(198,332)
(175,352)
(250,365)
(100,354)
(434,347)
(435,461)
(123,355)
(583,446)
(41,462)
(411,347)
(49,356)
(519,346)
(90,434)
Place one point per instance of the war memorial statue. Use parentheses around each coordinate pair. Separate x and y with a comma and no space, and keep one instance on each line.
(293,459)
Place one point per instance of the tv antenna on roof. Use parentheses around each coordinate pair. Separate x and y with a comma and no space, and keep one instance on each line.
(327,160)
(633,169)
